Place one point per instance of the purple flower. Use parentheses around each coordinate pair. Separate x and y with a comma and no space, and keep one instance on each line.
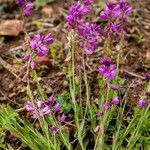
(20,2)
(115,87)
(147,76)
(105,61)
(128,10)
(57,107)
(115,27)
(53,129)
(48,39)
(141,103)
(50,100)
(32,65)
(27,9)
(104,86)
(26,57)
(90,49)
(43,50)
(106,106)
(99,114)
(111,11)
(115,101)
(75,14)
(33,44)
(124,7)
(88,36)
(29,107)
(40,108)
(88,2)
(45,111)
(62,118)
(109,72)
(87,33)
(125,75)
(40,43)
(39,103)
(116,14)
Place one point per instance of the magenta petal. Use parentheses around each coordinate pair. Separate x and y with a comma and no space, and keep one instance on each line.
(46,110)
(29,106)
(62,118)
(39,103)
(32,65)
(48,39)
(115,101)
(26,57)
(40,53)
(43,48)
(50,100)
(54,129)
(142,103)
(57,107)
(33,44)
(20,2)
(27,9)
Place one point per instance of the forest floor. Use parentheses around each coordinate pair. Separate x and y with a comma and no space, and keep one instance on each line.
(51,18)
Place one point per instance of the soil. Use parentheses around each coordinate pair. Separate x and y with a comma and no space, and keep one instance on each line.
(136,53)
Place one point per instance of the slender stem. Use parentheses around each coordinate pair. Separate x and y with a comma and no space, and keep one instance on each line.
(87,88)
(41,92)
(73,91)
(72,79)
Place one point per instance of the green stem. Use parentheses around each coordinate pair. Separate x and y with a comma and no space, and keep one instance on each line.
(73,90)
(41,92)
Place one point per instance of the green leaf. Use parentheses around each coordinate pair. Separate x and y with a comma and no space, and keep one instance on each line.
(66,107)
(101,4)
(37,23)
(60,100)
(40,3)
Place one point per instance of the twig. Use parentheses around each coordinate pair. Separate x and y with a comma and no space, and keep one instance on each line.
(133,74)
(20,109)
(8,67)
(16,48)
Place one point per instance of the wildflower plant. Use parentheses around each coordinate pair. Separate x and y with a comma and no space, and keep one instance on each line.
(106,118)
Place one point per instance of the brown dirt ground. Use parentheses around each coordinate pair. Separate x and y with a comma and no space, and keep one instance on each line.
(136,54)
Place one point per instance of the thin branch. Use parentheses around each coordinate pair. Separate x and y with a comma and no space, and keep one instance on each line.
(134,74)
(8,67)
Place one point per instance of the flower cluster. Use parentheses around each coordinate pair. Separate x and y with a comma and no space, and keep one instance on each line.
(107,69)
(43,108)
(39,108)
(87,33)
(88,36)
(39,44)
(116,14)
(76,12)
(27,6)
